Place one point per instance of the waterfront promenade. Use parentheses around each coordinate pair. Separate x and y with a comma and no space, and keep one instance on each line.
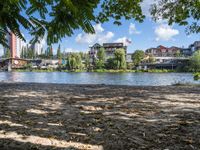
(58,116)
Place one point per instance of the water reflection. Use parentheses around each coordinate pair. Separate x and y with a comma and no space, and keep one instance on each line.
(144,79)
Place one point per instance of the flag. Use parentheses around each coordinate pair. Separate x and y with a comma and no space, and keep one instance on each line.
(128,41)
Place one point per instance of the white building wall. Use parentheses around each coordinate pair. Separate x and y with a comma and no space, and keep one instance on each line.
(128,58)
(38,48)
(19,46)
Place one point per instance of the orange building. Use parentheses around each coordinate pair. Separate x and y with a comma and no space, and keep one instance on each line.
(13,45)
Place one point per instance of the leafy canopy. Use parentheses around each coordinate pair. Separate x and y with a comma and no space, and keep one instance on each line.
(195,62)
(137,57)
(74,61)
(120,58)
(59,54)
(100,58)
(59,18)
(182,12)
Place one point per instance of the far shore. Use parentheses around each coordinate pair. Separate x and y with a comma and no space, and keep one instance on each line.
(60,116)
(101,71)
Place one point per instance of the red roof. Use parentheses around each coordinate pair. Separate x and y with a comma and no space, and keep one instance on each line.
(162,47)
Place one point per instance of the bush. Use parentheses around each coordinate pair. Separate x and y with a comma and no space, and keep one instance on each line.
(195,62)
(197,76)
(111,63)
(28,66)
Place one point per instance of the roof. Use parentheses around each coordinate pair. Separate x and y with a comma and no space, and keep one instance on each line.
(96,45)
(112,44)
(162,47)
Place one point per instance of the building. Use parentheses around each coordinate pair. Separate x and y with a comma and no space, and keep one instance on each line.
(12,63)
(11,41)
(195,46)
(165,63)
(109,49)
(37,47)
(93,50)
(129,58)
(191,49)
(162,51)
(15,45)
(186,52)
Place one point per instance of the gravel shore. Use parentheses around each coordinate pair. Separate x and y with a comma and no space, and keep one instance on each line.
(99,117)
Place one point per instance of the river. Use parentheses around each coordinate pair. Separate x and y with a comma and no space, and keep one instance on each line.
(133,79)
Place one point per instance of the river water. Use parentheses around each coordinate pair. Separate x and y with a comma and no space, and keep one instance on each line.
(133,79)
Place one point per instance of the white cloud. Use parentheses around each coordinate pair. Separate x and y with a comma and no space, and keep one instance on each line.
(105,38)
(100,36)
(132,29)
(161,21)
(124,40)
(165,32)
(98,28)
(85,38)
(71,50)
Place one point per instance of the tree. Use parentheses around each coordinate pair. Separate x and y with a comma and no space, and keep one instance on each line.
(151,59)
(179,11)
(30,53)
(25,52)
(120,58)
(101,54)
(50,52)
(78,60)
(87,61)
(71,62)
(82,55)
(74,61)
(22,53)
(100,62)
(137,57)
(36,55)
(42,51)
(64,16)
(195,62)
(7,53)
(47,52)
(59,55)
(177,54)
(111,63)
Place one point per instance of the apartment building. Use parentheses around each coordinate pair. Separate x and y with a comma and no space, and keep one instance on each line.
(162,51)
(110,48)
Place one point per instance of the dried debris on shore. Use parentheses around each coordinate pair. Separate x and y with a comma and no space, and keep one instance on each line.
(53,116)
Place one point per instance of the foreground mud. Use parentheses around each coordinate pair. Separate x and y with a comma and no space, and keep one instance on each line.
(50,116)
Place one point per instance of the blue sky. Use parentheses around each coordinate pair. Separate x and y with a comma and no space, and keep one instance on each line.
(143,35)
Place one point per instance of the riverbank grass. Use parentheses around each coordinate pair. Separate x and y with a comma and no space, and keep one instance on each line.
(96,70)
(197,76)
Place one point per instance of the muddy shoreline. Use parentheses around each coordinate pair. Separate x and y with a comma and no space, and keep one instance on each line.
(59,116)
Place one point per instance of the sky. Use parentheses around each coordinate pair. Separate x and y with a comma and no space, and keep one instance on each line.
(142,35)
